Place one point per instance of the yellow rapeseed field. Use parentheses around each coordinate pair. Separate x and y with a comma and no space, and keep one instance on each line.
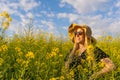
(42,58)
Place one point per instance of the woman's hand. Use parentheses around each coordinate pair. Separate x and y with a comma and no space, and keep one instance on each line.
(67,65)
(94,76)
(109,66)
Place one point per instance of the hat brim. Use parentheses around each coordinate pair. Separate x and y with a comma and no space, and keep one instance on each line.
(93,40)
(73,27)
(71,30)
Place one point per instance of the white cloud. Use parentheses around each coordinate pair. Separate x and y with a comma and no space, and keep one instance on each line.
(62,15)
(13,7)
(51,14)
(83,6)
(29,15)
(15,26)
(82,19)
(28,4)
(118,4)
(62,5)
(9,7)
(38,15)
(47,14)
(70,16)
(114,27)
(48,25)
(43,12)
(98,23)
(97,32)
(65,28)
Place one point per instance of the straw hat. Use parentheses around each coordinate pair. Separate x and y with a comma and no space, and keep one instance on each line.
(87,29)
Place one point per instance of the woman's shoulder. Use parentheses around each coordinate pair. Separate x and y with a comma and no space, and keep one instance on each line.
(98,50)
(99,53)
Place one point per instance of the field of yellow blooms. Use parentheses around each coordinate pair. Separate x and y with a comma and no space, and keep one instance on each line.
(23,58)
(42,58)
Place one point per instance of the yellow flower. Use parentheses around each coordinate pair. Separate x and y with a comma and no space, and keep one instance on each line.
(52,79)
(18,49)
(5,25)
(30,55)
(72,73)
(85,70)
(90,58)
(90,49)
(4,47)
(53,54)
(25,63)
(109,37)
(79,67)
(82,61)
(101,64)
(20,79)
(0,49)
(19,60)
(62,78)
(6,19)
(1,61)
(9,19)
(60,55)
(50,55)
(47,56)
(55,50)
(5,14)
(20,53)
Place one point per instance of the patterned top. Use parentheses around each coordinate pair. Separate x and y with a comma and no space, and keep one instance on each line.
(77,60)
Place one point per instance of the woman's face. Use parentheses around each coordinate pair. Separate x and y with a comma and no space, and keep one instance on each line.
(79,35)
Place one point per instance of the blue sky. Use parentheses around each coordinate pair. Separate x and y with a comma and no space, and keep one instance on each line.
(54,16)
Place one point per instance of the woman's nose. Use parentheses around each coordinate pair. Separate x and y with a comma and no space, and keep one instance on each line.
(77,35)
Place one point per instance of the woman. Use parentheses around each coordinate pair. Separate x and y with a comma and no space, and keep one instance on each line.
(81,36)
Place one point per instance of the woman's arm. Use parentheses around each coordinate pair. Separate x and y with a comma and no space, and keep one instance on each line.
(70,58)
(109,66)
